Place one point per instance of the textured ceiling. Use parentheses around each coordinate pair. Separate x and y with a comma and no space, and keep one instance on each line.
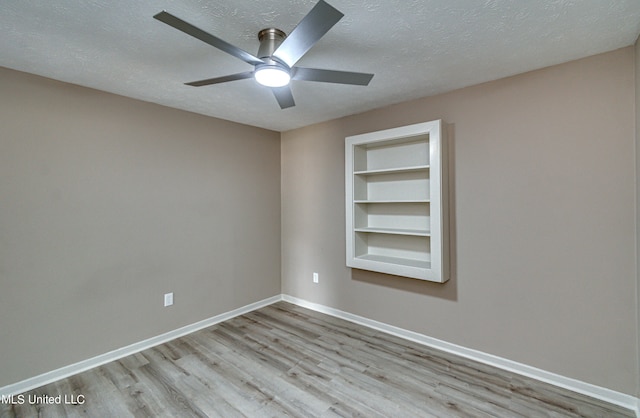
(415,48)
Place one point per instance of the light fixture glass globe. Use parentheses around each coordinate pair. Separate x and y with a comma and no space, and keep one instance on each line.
(272,76)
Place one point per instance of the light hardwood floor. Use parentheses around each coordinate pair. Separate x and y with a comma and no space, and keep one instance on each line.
(284,360)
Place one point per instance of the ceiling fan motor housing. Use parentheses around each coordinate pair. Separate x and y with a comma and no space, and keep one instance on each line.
(270,39)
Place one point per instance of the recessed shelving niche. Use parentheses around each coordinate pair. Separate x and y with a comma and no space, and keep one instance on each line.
(396,202)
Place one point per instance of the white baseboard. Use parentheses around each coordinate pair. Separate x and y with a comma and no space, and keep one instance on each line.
(626,401)
(72,369)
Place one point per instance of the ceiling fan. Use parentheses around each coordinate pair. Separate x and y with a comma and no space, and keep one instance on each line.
(274,65)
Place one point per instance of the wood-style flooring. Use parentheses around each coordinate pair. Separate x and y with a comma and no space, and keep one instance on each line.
(284,360)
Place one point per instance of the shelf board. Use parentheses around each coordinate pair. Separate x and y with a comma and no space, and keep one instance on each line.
(392,170)
(392,201)
(396,260)
(395,231)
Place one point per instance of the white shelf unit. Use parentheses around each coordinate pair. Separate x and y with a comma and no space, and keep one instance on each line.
(396,202)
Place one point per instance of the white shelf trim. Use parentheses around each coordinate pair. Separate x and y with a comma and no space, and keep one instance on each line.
(395,231)
(395,195)
(392,170)
(405,262)
(392,201)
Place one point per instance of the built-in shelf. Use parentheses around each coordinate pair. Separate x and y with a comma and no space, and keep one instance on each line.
(396,202)
(391,170)
(391,201)
(396,261)
(395,231)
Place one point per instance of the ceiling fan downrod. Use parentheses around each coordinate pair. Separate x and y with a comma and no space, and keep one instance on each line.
(270,39)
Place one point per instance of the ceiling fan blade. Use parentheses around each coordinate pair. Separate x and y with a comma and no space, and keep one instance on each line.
(331,76)
(223,79)
(284,96)
(212,40)
(309,31)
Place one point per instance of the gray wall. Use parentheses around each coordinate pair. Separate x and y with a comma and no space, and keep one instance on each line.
(543,196)
(637,69)
(107,203)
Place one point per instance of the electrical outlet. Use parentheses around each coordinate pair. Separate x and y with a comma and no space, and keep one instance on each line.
(168,299)
(315,277)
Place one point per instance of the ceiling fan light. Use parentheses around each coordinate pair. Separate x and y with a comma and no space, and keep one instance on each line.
(272,76)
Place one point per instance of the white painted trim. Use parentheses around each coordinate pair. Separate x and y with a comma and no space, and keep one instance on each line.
(597,392)
(72,369)
(617,398)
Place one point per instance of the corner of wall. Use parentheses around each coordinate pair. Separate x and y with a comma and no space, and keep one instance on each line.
(637,146)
